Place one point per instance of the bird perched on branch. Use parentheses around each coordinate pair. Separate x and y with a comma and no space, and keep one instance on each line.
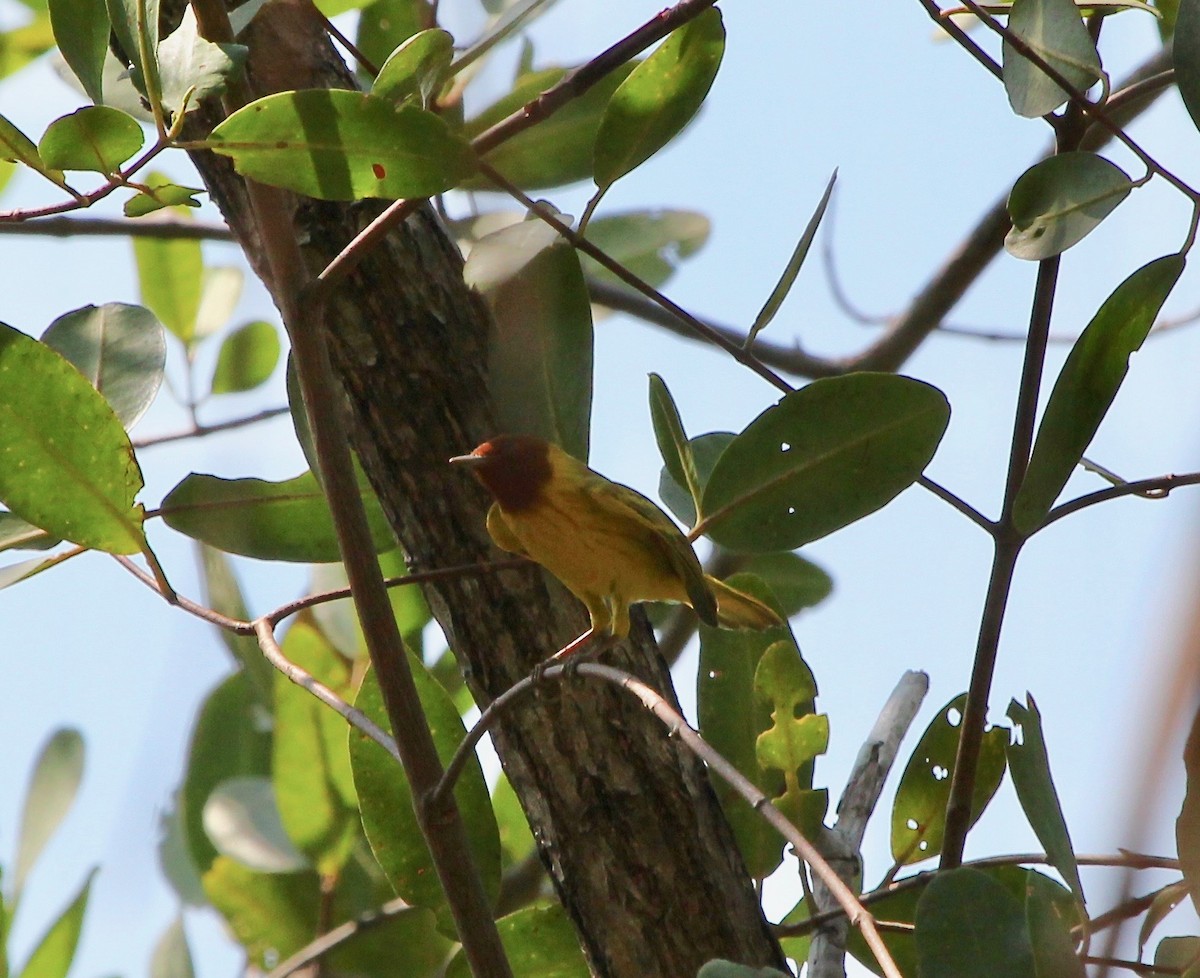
(610,545)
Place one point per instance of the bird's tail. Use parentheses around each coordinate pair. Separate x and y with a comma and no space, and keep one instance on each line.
(737,609)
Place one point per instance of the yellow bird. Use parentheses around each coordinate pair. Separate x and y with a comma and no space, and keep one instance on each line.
(609,545)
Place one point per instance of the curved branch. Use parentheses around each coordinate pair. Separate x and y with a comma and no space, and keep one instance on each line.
(1156,488)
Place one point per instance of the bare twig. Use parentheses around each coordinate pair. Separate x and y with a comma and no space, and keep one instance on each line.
(315,950)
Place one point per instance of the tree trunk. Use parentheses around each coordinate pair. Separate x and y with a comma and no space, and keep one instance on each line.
(625,819)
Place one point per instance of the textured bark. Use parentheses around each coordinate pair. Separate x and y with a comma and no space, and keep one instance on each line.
(625,819)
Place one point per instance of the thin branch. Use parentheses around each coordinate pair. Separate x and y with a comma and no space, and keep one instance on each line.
(1162,485)
(969,511)
(1008,544)
(235,625)
(418,577)
(678,727)
(204,430)
(735,350)
(71,227)
(265,634)
(315,950)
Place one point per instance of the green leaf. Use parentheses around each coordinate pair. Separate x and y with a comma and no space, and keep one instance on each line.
(650,243)
(81,31)
(673,444)
(310,768)
(385,796)
(797,735)
(1179,954)
(23,570)
(232,738)
(268,520)
(919,810)
(706,450)
(242,820)
(1088,383)
(1029,765)
(540,349)
(824,456)
(797,583)
(66,464)
(968,924)
(1054,30)
(386,24)
(340,145)
(247,358)
(16,534)
(272,915)
(52,956)
(162,194)
(788,278)
(1186,56)
(410,937)
(170,272)
(189,63)
(1187,825)
(1059,201)
(720,968)
(416,68)
(539,942)
(732,715)
(19,148)
(52,789)
(219,295)
(516,839)
(171,957)
(135,27)
(1161,906)
(556,151)
(174,859)
(95,138)
(21,45)
(660,97)
(1050,938)
(223,594)
(121,349)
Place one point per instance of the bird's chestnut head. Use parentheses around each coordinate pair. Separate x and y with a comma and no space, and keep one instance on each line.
(513,468)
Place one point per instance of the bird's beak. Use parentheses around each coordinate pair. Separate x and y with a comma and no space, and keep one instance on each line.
(470,461)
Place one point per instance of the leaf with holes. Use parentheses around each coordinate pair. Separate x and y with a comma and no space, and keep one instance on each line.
(919,811)
(824,456)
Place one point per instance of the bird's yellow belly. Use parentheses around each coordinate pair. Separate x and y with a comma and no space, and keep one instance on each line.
(592,558)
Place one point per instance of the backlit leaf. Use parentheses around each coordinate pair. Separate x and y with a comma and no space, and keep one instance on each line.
(673,444)
(554,152)
(189,63)
(651,243)
(94,138)
(341,145)
(66,464)
(170,272)
(539,942)
(247,358)
(416,68)
(271,915)
(52,956)
(659,97)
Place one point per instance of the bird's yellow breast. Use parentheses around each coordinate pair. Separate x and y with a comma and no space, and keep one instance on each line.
(595,544)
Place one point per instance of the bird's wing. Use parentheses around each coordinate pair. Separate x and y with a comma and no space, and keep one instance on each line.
(670,542)
(501,534)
